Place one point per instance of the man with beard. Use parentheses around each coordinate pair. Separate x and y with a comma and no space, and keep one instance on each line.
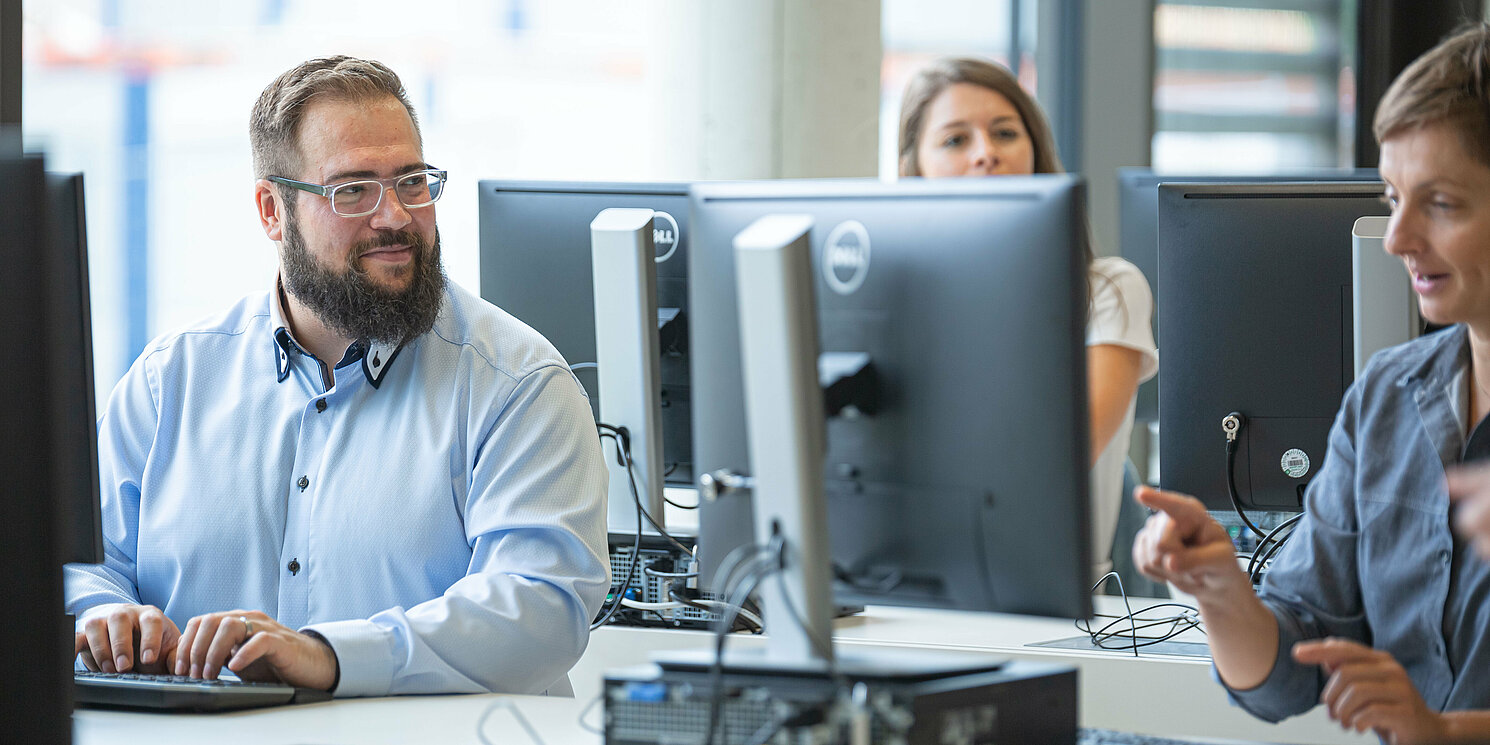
(364,480)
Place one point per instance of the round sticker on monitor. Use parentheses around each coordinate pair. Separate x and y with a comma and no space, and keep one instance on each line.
(1295,463)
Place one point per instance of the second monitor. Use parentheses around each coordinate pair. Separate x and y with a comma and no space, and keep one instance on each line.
(1256,321)
(535,264)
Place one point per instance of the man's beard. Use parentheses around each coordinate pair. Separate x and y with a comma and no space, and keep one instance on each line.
(348,301)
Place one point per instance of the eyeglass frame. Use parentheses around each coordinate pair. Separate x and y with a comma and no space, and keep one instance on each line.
(327,190)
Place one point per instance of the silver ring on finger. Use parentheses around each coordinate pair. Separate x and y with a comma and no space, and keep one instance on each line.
(248,626)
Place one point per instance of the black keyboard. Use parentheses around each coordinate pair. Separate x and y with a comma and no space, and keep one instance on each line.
(182,693)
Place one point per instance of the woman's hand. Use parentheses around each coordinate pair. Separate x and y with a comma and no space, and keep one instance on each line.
(1182,545)
(1369,689)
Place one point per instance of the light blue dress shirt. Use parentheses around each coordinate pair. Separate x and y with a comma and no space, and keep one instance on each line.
(436,512)
(1373,559)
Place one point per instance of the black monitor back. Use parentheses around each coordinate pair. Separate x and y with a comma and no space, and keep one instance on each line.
(71,355)
(37,523)
(536,265)
(968,487)
(1256,319)
(1138,232)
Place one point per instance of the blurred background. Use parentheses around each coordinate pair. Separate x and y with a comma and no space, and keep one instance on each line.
(150,98)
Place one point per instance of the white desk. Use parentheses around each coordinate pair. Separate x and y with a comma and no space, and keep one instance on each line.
(1154,694)
(1171,696)
(447,720)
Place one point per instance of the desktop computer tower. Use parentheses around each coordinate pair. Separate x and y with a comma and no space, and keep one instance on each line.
(1018,702)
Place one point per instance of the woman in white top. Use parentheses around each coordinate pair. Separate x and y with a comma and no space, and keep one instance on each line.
(969,117)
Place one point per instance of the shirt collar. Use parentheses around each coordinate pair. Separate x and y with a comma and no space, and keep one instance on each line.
(1435,365)
(375,357)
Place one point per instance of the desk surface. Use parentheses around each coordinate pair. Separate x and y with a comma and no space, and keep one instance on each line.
(448,720)
(1172,696)
(1153,694)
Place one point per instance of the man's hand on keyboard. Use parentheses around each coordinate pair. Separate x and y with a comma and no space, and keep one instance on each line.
(256,647)
(124,638)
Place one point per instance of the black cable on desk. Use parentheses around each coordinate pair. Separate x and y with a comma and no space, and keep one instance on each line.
(1178,623)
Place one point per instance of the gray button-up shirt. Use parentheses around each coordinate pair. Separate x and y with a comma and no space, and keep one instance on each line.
(1374,560)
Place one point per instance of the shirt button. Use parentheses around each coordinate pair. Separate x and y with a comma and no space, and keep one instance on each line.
(293,566)
(320,405)
(302,483)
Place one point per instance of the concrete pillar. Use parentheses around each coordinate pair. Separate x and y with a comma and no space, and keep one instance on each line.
(771,88)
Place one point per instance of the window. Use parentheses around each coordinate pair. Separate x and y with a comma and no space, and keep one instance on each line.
(1253,85)
(915,32)
(150,99)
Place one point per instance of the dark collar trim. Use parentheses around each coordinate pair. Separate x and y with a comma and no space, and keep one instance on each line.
(284,344)
(376,362)
(376,357)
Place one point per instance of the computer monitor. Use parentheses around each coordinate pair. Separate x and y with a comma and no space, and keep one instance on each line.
(71,356)
(42,521)
(956,472)
(1256,320)
(1138,232)
(535,237)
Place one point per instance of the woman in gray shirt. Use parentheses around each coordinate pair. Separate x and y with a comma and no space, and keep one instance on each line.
(1374,608)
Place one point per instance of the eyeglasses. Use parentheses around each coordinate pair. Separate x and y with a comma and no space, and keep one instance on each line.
(364,196)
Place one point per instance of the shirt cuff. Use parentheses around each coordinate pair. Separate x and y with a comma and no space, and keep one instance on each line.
(364,653)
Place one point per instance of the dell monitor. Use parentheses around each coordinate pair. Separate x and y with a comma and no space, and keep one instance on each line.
(1256,321)
(1138,233)
(536,265)
(951,318)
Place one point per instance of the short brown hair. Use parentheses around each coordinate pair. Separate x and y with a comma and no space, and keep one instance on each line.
(1449,84)
(274,125)
(940,75)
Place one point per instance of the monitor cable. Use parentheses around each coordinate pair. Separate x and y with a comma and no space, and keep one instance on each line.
(739,583)
(622,437)
(622,440)
(767,561)
(584,714)
(1263,554)
(506,703)
(1232,425)
(678,505)
(623,452)
(1273,540)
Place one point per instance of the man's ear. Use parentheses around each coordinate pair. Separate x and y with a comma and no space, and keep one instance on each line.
(271,211)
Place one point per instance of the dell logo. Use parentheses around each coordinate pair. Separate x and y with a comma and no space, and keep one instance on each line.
(845,261)
(664,235)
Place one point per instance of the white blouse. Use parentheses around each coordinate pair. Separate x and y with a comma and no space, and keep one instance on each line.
(1121,313)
